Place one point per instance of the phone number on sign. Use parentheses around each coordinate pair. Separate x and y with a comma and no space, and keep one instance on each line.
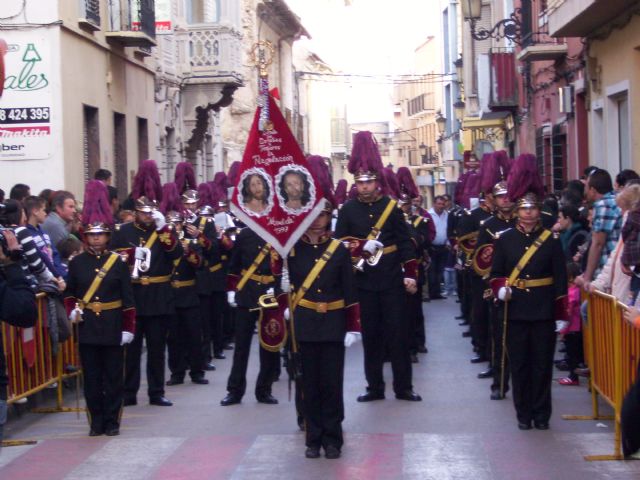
(25,115)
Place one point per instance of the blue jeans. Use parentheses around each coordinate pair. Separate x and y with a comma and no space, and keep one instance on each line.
(450,282)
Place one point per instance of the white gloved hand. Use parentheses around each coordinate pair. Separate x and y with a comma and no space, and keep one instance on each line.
(127,337)
(371,246)
(284,282)
(141,253)
(158,217)
(504,294)
(270,291)
(76,315)
(287,314)
(561,325)
(231,299)
(350,338)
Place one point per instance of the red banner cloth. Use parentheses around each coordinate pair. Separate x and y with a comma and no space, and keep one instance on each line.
(276,194)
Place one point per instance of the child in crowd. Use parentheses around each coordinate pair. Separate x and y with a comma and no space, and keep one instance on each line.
(571,329)
(69,248)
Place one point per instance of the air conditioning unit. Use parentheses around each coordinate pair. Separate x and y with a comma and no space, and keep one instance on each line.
(565,98)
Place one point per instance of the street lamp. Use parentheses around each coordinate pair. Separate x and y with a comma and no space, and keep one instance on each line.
(509,28)
(459,107)
(441,123)
(423,150)
(459,70)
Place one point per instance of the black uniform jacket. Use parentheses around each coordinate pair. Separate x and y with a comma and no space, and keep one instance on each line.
(419,231)
(106,327)
(468,229)
(154,298)
(334,282)
(183,279)
(535,303)
(247,247)
(356,219)
(490,230)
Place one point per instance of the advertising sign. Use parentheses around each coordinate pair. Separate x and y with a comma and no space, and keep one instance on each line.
(26,104)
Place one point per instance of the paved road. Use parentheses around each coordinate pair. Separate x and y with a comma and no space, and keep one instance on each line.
(455,433)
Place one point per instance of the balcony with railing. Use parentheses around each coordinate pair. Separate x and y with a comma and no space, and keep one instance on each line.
(540,47)
(212,54)
(581,18)
(504,86)
(132,23)
(420,105)
(89,14)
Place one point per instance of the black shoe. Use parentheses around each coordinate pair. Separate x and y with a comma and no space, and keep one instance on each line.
(488,373)
(479,359)
(414,358)
(371,396)
(230,399)
(312,452)
(422,349)
(95,433)
(524,425)
(160,402)
(200,381)
(463,324)
(563,366)
(496,395)
(219,356)
(228,346)
(112,432)
(460,317)
(175,381)
(541,425)
(128,402)
(438,297)
(409,395)
(209,367)
(466,334)
(331,452)
(267,399)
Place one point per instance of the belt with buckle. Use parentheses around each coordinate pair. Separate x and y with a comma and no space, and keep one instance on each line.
(389,249)
(264,279)
(321,307)
(183,283)
(97,307)
(215,268)
(150,280)
(523,284)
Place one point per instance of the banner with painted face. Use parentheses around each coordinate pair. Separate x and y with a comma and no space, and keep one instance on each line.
(276,195)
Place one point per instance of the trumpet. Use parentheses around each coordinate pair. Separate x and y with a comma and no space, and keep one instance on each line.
(373,260)
(141,265)
(268,300)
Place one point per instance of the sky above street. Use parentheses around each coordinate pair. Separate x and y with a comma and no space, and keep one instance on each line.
(375,37)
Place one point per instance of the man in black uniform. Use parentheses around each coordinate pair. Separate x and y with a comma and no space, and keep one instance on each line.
(326,317)
(491,229)
(528,275)
(250,276)
(376,229)
(184,341)
(102,304)
(154,297)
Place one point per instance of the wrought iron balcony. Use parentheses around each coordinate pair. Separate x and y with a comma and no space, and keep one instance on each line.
(212,54)
(89,14)
(132,23)
(540,47)
(504,87)
(581,18)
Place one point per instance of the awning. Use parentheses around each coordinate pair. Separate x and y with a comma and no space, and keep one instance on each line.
(487,120)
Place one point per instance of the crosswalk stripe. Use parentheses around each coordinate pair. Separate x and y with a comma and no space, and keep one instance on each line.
(9,454)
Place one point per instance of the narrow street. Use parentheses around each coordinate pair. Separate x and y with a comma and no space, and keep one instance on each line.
(455,433)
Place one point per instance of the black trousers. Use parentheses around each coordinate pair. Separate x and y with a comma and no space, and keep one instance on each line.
(416,316)
(496,320)
(479,317)
(184,343)
(385,324)
(103,371)
(575,352)
(322,397)
(466,297)
(228,323)
(154,330)
(269,361)
(438,254)
(212,314)
(531,346)
(630,418)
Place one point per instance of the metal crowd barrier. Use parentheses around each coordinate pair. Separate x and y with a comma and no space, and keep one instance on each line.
(28,376)
(612,352)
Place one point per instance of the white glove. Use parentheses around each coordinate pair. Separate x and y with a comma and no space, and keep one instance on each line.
(284,282)
(561,325)
(371,246)
(350,338)
(76,315)
(127,337)
(141,253)
(504,294)
(231,299)
(158,217)
(287,314)
(270,291)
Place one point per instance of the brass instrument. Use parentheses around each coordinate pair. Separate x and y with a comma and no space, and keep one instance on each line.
(373,260)
(141,265)
(268,300)
(190,216)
